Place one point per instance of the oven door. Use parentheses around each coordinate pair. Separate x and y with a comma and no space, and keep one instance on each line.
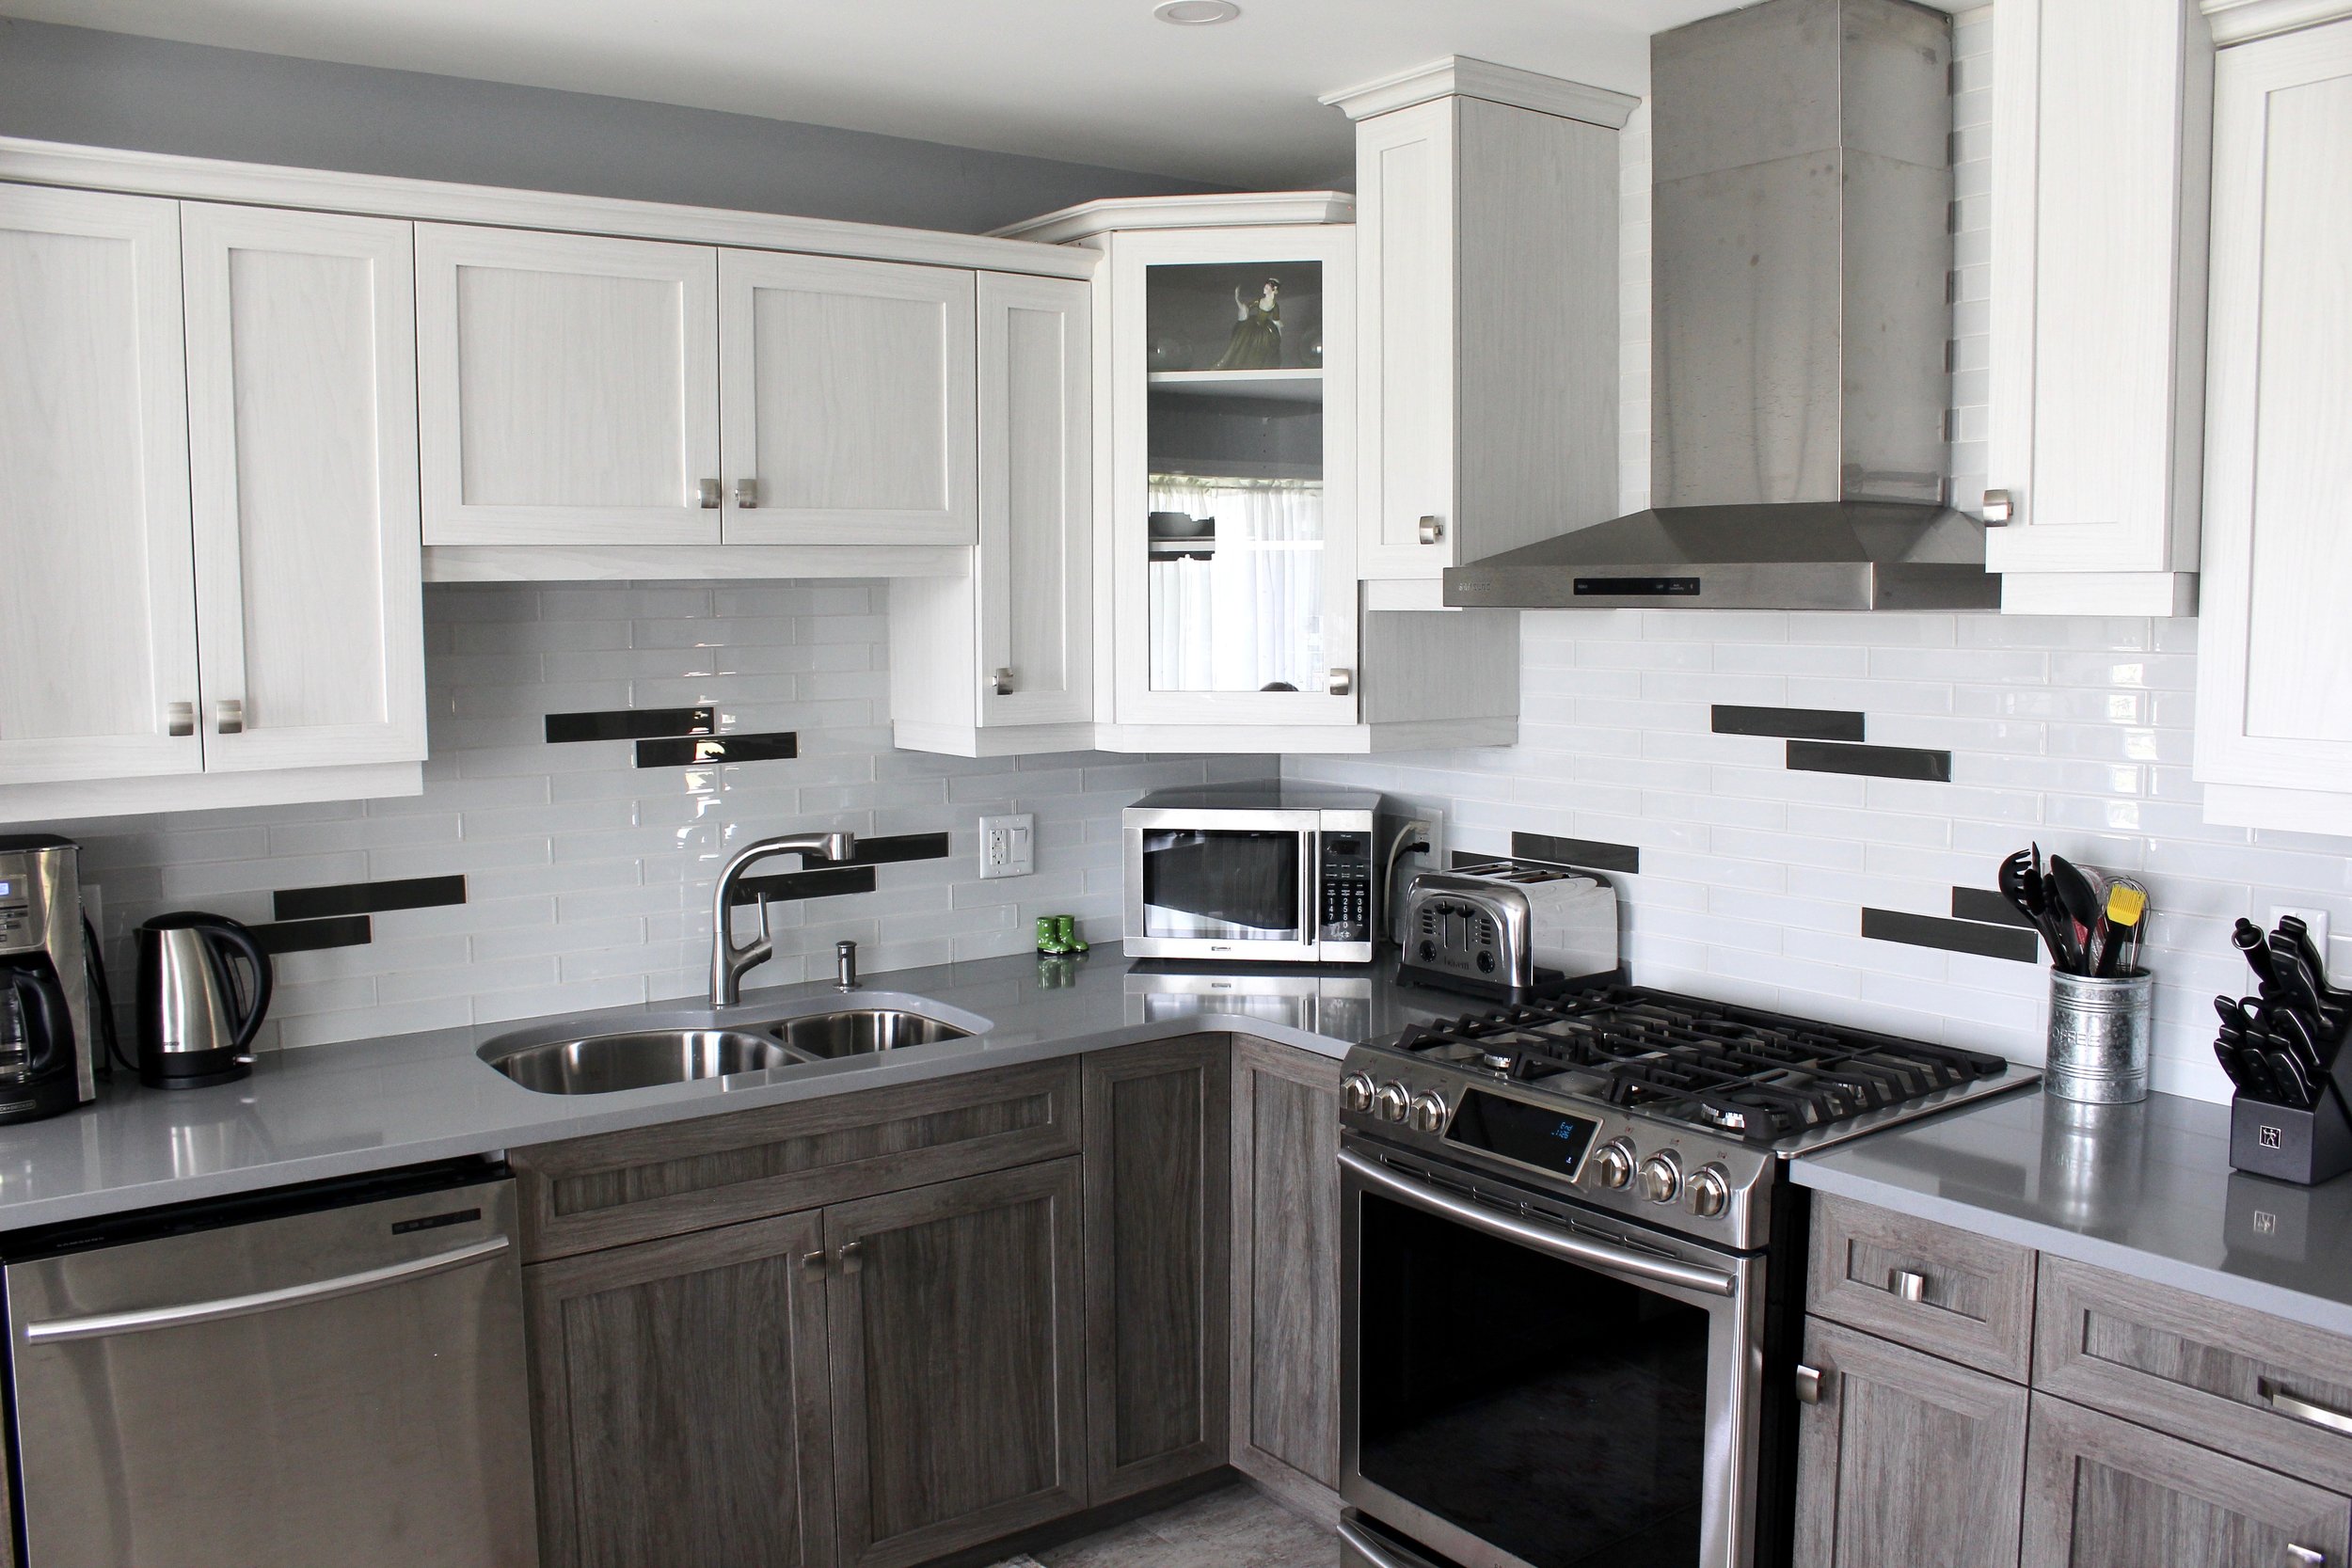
(1526,1382)
(1221,884)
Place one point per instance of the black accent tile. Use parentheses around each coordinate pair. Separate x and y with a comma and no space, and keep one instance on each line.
(1989,909)
(1794,723)
(824,881)
(416,893)
(1952,936)
(1591,854)
(709,751)
(311,935)
(1876,762)
(629,724)
(886,850)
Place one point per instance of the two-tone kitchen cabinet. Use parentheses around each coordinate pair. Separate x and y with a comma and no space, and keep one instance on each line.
(2102,122)
(582,391)
(2274,717)
(208,506)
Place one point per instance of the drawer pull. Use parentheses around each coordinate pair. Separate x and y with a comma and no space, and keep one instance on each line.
(2303,1410)
(1812,1384)
(2303,1557)
(852,1258)
(814,1262)
(1907,1285)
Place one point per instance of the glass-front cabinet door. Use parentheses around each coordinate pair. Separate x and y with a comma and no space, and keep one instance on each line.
(1234,402)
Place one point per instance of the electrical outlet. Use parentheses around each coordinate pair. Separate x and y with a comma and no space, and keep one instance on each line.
(2315,919)
(1007,845)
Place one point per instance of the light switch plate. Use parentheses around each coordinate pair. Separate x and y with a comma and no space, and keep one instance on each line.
(1007,845)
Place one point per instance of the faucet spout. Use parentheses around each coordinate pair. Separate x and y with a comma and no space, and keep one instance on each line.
(728,963)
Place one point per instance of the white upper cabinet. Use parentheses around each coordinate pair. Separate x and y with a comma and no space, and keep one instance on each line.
(98,666)
(569,389)
(302,415)
(1486,271)
(2274,705)
(1002,662)
(848,391)
(2101,130)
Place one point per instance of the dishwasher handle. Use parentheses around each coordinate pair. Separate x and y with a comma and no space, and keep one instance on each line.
(103,1325)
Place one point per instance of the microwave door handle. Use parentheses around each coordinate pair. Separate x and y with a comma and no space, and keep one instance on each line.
(1310,889)
(1542,1238)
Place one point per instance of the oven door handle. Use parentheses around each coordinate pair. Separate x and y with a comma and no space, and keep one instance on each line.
(1543,1238)
(1366,1547)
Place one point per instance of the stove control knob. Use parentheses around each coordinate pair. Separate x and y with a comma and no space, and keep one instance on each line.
(1429,1111)
(1613,1164)
(1356,1091)
(1710,1190)
(1390,1102)
(1661,1177)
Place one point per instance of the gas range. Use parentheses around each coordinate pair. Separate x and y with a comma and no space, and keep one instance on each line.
(1665,1108)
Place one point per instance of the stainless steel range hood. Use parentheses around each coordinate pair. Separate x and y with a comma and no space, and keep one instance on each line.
(1802,187)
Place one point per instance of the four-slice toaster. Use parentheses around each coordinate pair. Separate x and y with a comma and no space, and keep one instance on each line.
(1509,929)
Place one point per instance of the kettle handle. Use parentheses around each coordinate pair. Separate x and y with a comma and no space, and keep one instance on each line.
(228,933)
(46,1018)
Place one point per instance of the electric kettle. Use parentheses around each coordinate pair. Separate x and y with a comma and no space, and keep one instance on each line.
(197,1018)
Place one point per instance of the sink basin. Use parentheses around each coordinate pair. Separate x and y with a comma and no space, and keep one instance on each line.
(603,1064)
(858,1031)
(641,1058)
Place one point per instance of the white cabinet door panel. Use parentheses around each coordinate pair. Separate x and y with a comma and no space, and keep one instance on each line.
(1405,228)
(568,387)
(1037,502)
(2274,708)
(97,620)
(303,449)
(849,400)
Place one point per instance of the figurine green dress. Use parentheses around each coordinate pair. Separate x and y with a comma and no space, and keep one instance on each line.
(1257,341)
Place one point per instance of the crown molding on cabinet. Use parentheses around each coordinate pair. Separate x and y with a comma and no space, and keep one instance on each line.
(2242,20)
(1088,219)
(41,163)
(1458,76)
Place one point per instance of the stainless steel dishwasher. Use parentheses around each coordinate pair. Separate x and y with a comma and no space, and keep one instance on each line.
(329,1376)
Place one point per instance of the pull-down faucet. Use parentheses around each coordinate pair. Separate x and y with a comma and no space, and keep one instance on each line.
(728,963)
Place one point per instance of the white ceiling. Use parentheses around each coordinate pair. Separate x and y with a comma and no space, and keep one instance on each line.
(1092,81)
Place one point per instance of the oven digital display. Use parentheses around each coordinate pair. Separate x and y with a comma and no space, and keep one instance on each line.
(1530,1134)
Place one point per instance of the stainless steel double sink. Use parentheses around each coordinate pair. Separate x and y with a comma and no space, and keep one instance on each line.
(560,1062)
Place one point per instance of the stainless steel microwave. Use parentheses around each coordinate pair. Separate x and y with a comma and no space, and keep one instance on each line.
(1260,873)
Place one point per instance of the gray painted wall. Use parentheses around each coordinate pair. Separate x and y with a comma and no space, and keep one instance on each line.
(112,89)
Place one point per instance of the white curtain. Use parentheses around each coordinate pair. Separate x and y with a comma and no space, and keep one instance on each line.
(1250,614)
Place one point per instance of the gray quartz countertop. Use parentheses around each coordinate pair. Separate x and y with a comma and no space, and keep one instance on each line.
(372,1105)
(2144,1190)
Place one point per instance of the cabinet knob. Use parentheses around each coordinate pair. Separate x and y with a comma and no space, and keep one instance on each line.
(814,1262)
(2000,508)
(1001,683)
(1342,682)
(1812,1384)
(1431,530)
(178,719)
(708,494)
(852,1258)
(2303,1557)
(229,716)
(1908,1284)
(746,495)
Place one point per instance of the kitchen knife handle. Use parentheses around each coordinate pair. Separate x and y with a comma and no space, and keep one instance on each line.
(2297,1409)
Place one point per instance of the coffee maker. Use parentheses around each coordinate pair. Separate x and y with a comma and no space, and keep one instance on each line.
(48,1037)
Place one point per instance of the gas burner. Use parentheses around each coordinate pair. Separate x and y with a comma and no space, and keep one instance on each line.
(1756,1076)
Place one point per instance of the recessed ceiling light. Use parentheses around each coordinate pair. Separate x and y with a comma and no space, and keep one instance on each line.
(1196,13)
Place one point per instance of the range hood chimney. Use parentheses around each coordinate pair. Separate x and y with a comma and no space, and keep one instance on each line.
(1801,151)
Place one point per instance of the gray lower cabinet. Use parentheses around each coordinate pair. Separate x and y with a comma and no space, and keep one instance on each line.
(2102,1493)
(957,1365)
(1286,1265)
(683,1402)
(1906,1458)
(1158,1170)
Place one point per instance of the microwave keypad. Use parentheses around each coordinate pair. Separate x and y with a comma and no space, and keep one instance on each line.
(1346,885)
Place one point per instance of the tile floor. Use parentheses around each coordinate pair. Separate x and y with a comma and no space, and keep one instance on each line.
(1235,1527)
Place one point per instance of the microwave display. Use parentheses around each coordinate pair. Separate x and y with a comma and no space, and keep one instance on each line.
(1221,885)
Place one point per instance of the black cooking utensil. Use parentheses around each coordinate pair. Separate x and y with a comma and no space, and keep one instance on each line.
(2079,899)
(2022,887)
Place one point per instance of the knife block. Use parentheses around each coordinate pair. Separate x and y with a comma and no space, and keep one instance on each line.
(2288,1145)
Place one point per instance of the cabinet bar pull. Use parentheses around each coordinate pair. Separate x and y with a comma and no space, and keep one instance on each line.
(1908,1284)
(1812,1384)
(1001,683)
(178,719)
(708,494)
(2302,1409)
(229,716)
(2303,1557)
(854,1257)
(746,495)
(2000,508)
(814,1261)
(1431,530)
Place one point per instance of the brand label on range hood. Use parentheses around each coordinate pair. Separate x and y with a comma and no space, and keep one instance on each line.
(1622,587)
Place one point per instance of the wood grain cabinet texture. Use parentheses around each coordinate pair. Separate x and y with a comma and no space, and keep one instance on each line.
(1906,1460)
(1934,1288)
(1158,1167)
(1286,1285)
